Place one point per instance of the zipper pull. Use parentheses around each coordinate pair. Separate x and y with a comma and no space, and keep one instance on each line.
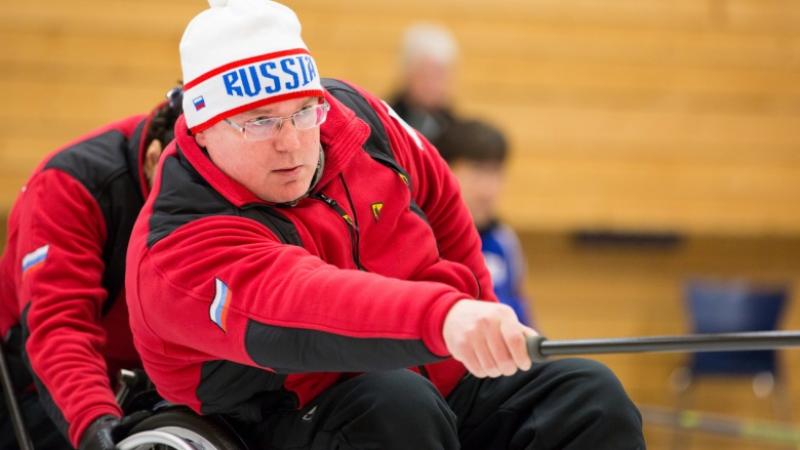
(332,203)
(329,201)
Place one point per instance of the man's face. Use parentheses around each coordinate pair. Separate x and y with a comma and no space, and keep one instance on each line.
(480,183)
(278,169)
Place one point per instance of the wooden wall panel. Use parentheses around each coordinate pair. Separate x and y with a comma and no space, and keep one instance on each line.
(633,114)
(625,114)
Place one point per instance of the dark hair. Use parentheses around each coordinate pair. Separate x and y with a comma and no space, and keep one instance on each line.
(161,127)
(472,140)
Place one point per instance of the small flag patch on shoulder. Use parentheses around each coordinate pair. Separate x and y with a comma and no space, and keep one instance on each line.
(35,258)
(219,307)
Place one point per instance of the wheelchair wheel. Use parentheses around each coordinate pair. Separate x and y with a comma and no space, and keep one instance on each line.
(159,431)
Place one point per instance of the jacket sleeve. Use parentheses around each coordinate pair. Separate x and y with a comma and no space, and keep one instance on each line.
(241,295)
(436,191)
(59,272)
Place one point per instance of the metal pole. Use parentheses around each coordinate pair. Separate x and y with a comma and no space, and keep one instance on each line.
(540,347)
(23,438)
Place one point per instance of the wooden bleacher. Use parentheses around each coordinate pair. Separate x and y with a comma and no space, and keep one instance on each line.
(637,114)
(652,115)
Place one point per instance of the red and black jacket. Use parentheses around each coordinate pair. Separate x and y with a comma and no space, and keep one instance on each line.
(62,306)
(238,306)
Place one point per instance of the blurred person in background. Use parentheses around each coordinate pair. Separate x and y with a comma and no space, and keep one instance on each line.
(477,153)
(63,315)
(428,62)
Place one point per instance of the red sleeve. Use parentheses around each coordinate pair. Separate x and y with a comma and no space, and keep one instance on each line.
(436,191)
(61,235)
(243,296)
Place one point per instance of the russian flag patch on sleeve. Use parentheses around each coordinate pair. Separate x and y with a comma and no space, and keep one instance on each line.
(34,259)
(219,307)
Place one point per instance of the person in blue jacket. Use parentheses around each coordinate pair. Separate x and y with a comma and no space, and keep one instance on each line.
(477,153)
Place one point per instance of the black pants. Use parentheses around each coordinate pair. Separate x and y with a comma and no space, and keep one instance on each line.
(43,432)
(560,405)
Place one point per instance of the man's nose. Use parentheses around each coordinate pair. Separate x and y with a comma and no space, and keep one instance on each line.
(287,138)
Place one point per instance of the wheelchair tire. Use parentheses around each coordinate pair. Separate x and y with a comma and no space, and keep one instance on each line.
(203,433)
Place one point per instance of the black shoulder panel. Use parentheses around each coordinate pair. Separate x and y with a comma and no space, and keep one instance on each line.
(377,146)
(102,165)
(94,162)
(378,143)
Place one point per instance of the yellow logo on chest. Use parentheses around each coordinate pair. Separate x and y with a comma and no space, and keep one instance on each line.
(376,210)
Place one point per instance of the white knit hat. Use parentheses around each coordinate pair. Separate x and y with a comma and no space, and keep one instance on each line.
(242,54)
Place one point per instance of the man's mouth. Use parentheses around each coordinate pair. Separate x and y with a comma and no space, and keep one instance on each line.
(288,170)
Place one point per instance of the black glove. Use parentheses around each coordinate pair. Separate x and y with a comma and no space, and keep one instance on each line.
(106,431)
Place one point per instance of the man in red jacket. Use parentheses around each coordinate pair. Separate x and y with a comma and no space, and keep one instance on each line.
(305,266)
(63,315)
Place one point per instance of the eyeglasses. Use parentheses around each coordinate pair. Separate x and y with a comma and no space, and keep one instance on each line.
(260,129)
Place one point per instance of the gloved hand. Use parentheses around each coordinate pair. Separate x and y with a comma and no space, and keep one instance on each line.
(106,431)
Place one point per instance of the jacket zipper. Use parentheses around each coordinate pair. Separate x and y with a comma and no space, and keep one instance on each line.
(422,369)
(352,226)
(357,238)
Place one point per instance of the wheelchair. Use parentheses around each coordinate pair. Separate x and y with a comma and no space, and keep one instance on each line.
(179,428)
(167,426)
(170,426)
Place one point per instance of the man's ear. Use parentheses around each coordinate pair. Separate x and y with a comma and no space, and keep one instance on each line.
(151,156)
(200,138)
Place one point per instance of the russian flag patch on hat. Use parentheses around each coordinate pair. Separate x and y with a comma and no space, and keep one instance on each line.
(199,103)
